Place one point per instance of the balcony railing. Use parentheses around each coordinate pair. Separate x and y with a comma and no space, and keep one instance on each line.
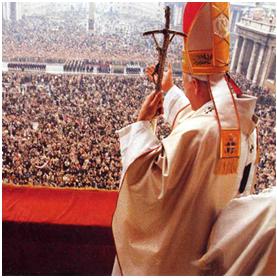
(258,25)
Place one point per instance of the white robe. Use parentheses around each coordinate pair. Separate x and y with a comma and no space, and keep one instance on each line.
(170,197)
(243,239)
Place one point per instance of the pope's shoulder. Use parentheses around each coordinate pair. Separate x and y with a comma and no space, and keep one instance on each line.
(202,126)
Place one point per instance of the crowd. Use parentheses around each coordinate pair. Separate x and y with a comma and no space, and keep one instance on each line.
(48,39)
(266,111)
(26,66)
(60,130)
(41,39)
(264,95)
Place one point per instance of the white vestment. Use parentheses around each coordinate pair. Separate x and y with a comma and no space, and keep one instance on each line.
(170,197)
(243,239)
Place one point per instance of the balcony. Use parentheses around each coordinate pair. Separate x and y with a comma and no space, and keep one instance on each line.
(257,25)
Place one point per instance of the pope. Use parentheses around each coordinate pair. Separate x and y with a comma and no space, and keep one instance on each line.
(172,191)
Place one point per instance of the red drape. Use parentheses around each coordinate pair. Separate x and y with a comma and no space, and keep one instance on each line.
(58,206)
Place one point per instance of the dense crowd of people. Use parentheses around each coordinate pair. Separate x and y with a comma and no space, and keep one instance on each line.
(46,39)
(60,130)
(266,111)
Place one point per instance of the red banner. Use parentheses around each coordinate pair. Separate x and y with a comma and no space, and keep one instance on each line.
(85,207)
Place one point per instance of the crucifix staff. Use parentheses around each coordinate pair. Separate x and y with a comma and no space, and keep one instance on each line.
(168,37)
(162,51)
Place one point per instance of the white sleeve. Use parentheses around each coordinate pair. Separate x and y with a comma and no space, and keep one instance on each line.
(174,101)
(136,139)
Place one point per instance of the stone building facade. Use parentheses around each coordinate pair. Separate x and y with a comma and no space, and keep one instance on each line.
(254,53)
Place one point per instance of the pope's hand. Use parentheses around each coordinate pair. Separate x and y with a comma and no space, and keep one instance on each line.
(167,81)
(151,106)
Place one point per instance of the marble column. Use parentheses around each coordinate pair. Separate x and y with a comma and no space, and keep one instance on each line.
(253,58)
(235,55)
(241,56)
(258,64)
(272,68)
(232,20)
(235,20)
(265,65)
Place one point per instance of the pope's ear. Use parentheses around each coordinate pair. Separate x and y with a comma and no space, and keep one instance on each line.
(196,85)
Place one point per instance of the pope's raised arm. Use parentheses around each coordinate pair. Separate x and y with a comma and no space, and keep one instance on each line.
(175,100)
(138,138)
